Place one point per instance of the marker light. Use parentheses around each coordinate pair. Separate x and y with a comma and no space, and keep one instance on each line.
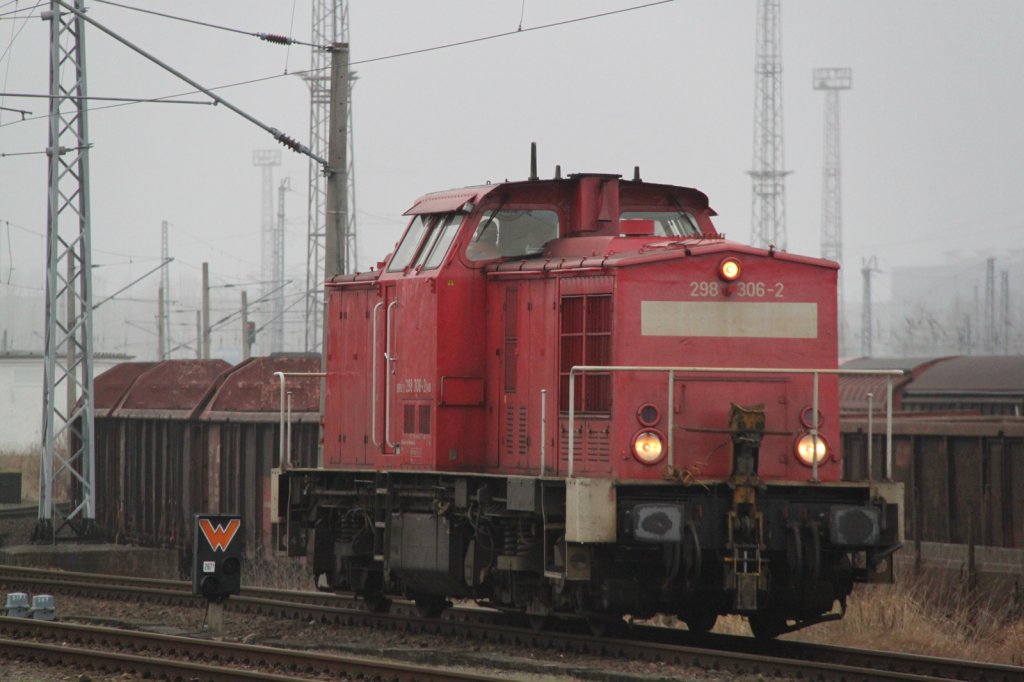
(807,414)
(648,447)
(807,449)
(648,415)
(730,269)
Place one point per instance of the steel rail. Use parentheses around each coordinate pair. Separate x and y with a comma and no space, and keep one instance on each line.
(27,510)
(645,643)
(265,662)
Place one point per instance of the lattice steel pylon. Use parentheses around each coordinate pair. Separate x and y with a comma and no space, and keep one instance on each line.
(831,81)
(272,243)
(330,26)
(768,214)
(67,434)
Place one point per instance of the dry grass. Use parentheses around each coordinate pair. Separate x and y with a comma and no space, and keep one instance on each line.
(282,573)
(27,462)
(924,614)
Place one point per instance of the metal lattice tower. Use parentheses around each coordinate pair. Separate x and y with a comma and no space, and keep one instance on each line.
(330,26)
(831,81)
(67,432)
(273,247)
(768,216)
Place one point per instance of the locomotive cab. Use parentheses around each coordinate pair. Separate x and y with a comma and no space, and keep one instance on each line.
(575,397)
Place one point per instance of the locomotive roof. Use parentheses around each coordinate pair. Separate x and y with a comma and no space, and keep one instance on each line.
(455,199)
(625,251)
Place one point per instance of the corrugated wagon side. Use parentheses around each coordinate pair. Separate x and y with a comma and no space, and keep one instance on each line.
(181,437)
(241,438)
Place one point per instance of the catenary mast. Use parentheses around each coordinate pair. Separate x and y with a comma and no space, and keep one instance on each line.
(832,81)
(272,243)
(330,27)
(768,215)
(68,429)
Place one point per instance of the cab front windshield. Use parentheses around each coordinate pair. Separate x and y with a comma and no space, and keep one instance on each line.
(512,233)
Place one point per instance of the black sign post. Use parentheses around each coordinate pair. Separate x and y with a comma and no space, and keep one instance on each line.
(217,550)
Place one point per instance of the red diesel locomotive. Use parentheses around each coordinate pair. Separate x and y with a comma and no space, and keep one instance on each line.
(574,396)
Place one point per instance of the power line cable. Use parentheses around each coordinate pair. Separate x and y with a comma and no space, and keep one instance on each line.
(23,228)
(306,72)
(131,100)
(7,50)
(268,37)
(23,9)
(512,33)
(284,139)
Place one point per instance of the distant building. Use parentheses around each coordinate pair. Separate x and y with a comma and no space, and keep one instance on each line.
(21,395)
(956,308)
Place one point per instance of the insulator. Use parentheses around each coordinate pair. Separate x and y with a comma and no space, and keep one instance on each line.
(275,38)
(289,142)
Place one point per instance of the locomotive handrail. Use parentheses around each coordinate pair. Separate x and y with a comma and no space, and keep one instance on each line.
(285,452)
(373,378)
(813,430)
(391,358)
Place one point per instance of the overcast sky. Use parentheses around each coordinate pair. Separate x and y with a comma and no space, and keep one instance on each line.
(932,134)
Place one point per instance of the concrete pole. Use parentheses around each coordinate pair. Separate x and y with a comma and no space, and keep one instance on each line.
(246,341)
(336,196)
(335,240)
(205,336)
(161,342)
(199,335)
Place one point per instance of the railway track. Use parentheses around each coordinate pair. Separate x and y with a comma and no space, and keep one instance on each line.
(25,511)
(117,650)
(738,655)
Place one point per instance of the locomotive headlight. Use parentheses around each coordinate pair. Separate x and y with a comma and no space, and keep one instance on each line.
(809,448)
(648,447)
(730,269)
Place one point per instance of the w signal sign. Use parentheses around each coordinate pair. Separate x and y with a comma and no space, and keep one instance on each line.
(219,537)
(217,551)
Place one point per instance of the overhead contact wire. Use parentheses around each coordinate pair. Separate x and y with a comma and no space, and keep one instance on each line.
(512,33)
(268,37)
(304,72)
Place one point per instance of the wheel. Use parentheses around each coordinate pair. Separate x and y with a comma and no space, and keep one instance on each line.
(767,624)
(431,605)
(701,621)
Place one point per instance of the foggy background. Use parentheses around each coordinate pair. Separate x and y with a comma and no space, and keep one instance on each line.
(931,137)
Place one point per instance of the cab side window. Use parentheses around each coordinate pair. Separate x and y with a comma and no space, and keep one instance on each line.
(512,233)
(409,246)
(426,242)
(441,239)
